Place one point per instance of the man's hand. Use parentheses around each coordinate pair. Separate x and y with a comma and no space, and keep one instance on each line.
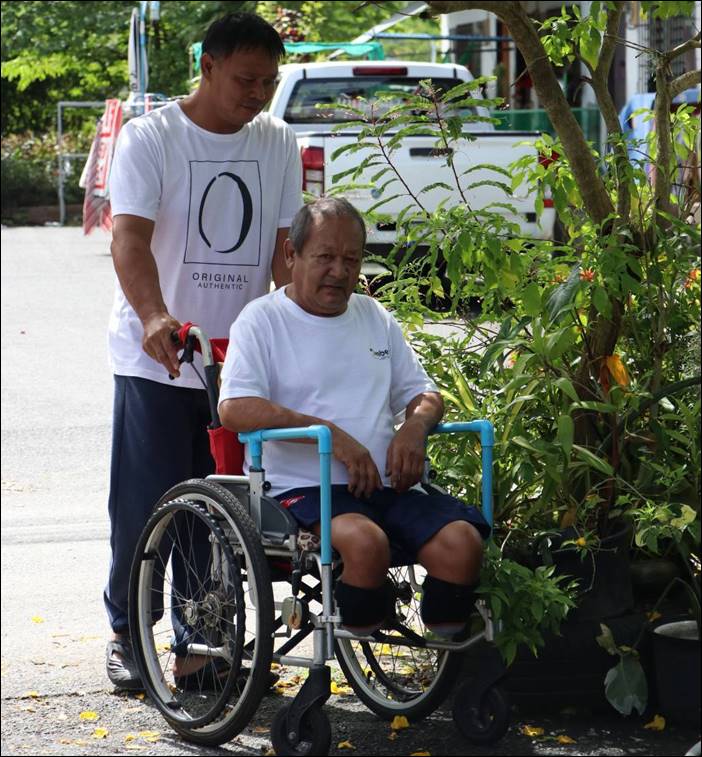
(157,341)
(364,478)
(405,459)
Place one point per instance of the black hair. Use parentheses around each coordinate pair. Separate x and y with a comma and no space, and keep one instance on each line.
(242,31)
(324,206)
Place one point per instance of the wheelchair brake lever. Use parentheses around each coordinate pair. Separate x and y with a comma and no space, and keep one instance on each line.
(188,350)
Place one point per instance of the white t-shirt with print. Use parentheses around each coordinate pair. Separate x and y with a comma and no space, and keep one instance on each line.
(217,201)
(355,370)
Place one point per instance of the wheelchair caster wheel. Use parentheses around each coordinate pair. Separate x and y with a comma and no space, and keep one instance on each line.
(314,737)
(485,724)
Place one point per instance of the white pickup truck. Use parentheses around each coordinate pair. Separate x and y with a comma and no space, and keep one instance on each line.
(303,87)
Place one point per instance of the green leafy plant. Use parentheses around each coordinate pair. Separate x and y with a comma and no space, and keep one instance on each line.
(524,604)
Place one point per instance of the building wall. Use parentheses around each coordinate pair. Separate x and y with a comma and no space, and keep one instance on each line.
(631,70)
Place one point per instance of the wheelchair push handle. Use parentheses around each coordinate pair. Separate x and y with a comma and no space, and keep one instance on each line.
(191,338)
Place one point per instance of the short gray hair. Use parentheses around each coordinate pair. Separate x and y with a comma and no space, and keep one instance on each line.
(324,206)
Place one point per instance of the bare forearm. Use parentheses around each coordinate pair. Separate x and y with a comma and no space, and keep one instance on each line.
(425,411)
(253,413)
(138,276)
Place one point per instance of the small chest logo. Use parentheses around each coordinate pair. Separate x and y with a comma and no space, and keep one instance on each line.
(379,354)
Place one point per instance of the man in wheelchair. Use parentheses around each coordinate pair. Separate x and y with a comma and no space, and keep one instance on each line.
(315,352)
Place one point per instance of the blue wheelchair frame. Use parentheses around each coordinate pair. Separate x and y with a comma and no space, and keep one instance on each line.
(255,439)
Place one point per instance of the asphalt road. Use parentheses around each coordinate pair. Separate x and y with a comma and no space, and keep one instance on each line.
(56,401)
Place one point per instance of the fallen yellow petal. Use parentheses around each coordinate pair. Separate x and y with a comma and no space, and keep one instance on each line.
(37,619)
(421,754)
(139,696)
(653,616)
(151,736)
(30,695)
(345,745)
(565,740)
(89,715)
(129,737)
(530,730)
(336,689)
(657,724)
(398,722)
(100,733)
(392,736)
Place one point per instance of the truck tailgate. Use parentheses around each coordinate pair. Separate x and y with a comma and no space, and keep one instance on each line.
(419,166)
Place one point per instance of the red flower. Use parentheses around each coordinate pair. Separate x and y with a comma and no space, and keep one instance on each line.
(587,274)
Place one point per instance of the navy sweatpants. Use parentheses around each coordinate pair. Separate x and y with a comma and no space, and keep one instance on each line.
(159,438)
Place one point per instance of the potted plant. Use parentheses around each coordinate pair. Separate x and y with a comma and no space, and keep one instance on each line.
(675,642)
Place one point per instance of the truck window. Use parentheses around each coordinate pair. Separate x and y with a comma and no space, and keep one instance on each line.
(356,92)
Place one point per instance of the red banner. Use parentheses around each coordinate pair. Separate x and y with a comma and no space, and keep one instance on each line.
(96,174)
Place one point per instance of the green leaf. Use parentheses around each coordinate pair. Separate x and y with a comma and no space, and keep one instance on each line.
(601,301)
(562,298)
(590,46)
(532,300)
(566,386)
(566,432)
(593,461)
(626,687)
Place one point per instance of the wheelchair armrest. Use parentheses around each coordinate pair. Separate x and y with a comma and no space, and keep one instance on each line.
(487,442)
(482,427)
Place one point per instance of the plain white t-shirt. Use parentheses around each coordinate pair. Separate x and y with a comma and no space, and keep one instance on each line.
(355,370)
(217,201)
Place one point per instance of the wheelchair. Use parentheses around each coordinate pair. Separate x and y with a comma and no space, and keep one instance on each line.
(207,562)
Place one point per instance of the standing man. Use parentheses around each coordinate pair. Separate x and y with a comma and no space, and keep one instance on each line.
(203,191)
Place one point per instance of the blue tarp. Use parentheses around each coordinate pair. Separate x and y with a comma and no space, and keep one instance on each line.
(370,50)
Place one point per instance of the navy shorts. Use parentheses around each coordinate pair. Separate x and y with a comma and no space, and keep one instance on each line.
(409,519)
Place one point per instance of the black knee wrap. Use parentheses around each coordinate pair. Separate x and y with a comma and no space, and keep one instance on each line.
(362,608)
(446,603)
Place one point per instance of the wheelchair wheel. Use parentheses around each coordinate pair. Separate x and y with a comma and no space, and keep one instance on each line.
(399,680)
(200,561)
(314,737)
(487,724)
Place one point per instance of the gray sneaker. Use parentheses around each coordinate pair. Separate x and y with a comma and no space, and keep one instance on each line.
(121,666)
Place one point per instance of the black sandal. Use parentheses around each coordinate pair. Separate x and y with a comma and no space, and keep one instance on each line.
(121,666)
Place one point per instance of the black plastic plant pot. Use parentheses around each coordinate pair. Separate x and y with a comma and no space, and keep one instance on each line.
(676,655)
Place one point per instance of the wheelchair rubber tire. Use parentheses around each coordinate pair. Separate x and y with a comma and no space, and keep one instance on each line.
(388,698)
(315,736)
(490,723)
(242,555)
